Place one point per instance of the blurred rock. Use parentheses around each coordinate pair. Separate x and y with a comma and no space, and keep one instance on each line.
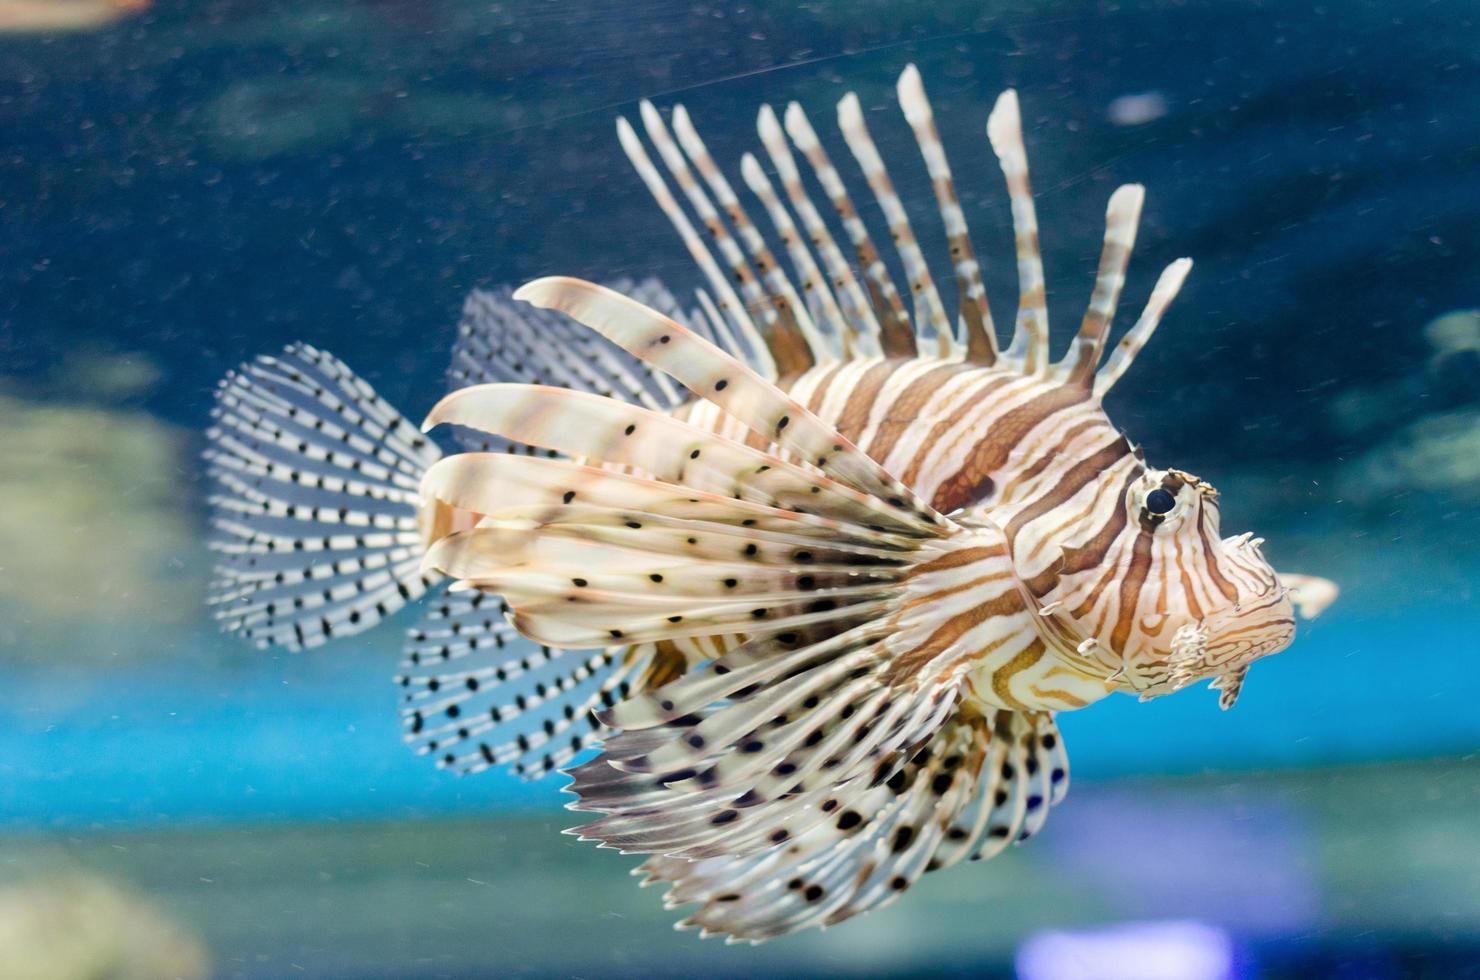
(1395,411)
(1431,421)
(1365,415)
(100,375)
(1454,333)
(1454,368)
(1438,453)
(79,926)
(97,521)
(258,118)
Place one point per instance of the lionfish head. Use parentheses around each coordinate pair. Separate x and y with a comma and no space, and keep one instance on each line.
(1186,603)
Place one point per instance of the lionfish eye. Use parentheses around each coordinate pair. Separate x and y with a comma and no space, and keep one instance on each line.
(1160,501)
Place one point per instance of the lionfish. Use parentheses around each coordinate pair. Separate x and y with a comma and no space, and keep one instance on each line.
(835,558)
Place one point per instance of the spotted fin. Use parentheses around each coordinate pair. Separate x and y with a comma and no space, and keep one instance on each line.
(615,562)
(475,694)
(713,375)
(961,795)
(314,501)
(585,426)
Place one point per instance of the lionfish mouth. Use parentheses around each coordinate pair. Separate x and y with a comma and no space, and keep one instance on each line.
(1219,646)
(1223,642)
(1260,623)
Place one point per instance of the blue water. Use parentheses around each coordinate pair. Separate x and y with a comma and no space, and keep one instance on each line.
(213,179)
(316,736)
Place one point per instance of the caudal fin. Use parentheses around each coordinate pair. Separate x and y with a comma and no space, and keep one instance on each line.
(314,501)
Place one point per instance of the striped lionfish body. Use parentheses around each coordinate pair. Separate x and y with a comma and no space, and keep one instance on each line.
(835,558)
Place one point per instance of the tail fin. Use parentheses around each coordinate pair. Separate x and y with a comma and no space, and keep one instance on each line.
(314,502)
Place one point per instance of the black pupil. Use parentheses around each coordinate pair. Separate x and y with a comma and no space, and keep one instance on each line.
(1160,501)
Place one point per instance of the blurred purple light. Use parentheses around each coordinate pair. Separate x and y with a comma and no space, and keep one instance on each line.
(1244,860)
(1132,951)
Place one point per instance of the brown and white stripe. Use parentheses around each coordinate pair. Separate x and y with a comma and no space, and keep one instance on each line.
(1009,435)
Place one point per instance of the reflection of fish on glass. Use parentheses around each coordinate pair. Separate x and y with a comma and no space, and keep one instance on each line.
(24,16)
(835,556)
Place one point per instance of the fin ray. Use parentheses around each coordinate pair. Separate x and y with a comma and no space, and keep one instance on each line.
(477,695)
(1030,336)
(711,374)
(789,319)
(1122,216)
(976,316)
(734,312)
(862,326)
(928,815)
(1162,294)
(896,335)
(931,326)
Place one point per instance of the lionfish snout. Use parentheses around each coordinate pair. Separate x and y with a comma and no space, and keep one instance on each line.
(1220,645)
(1252,629)
(1260,620)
